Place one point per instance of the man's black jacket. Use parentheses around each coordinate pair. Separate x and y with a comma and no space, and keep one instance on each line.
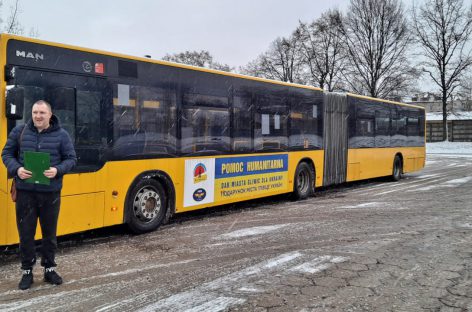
(53,140)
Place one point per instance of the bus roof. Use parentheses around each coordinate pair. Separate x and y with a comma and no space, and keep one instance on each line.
(4,37)
(383,101)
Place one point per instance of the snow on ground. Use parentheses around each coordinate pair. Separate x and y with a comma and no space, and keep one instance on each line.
(453,116)
(224,292)
(456,148)
(254,231)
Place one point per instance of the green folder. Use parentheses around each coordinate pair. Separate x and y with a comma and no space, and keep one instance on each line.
(37,162)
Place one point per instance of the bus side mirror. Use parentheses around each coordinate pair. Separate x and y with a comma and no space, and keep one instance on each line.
(15,100)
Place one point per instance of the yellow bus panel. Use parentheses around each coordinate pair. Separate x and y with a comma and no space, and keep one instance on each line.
(367,163)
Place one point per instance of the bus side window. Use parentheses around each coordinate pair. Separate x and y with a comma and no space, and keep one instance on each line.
(352,103)
(205,129)
(88,128)
(382,125)
(125,123)
(271,123)
(413,127)
(157,120)
(304,121)
(365,131)
(242,122)
(399,126)
(89,145)
(205,124)
(421,122)
(63,105)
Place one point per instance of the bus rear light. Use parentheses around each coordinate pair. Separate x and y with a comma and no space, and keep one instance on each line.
(114,208)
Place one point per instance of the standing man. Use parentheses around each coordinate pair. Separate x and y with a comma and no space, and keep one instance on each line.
(41,134)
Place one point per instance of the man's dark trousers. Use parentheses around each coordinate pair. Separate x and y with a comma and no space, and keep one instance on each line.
(29,207)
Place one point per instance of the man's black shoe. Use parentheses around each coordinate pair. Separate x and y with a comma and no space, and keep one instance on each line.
(26,279)
(51,276)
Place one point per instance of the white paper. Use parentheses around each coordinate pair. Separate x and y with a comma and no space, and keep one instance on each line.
(277,122)
(265,124)
(123,95)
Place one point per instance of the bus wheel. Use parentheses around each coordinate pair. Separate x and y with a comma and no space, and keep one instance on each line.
(146,206)
(397,169)
(304,177)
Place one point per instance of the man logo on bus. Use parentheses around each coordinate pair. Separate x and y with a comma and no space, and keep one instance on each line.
(31,55)
(199,173)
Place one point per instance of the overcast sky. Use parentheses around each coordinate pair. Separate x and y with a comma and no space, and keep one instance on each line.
(234,31)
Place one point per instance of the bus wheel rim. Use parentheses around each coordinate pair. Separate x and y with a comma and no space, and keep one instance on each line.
(303,181)
(147,204)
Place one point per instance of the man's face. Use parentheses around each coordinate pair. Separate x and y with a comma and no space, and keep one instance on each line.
(41,116)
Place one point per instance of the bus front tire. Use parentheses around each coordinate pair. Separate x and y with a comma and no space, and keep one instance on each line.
(303,184)
(397,169)
(146,206)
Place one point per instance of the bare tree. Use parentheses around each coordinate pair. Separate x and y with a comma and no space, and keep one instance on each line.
(12,25)
(443,29)
(377,41)
(280,62)
(322,48)
(197,58)
(465,91)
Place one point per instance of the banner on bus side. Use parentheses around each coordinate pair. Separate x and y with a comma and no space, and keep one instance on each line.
(208,180)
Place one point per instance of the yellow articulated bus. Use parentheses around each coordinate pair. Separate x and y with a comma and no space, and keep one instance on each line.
(155,138)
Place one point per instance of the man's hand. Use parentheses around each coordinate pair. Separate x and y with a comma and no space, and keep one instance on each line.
(51,172)
(23,173)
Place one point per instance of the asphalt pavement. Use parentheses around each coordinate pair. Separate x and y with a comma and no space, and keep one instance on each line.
(368,246)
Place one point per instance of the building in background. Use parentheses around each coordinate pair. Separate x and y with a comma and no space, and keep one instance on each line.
(459,119)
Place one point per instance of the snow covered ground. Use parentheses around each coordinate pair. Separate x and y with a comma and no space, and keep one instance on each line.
(453,116)
(456,148)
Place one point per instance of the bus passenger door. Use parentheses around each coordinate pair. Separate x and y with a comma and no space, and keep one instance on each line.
(83,117)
